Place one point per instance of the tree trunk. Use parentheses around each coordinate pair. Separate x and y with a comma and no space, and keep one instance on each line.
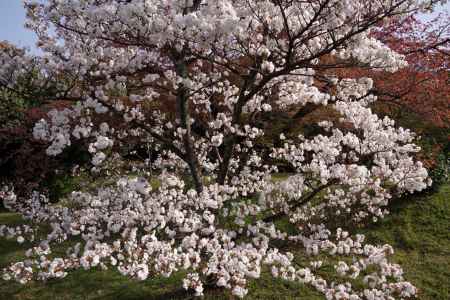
(185,122)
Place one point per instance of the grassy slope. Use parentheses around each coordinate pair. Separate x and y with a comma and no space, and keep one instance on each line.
(418,229)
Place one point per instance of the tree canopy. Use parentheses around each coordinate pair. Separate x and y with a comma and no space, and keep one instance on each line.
(199,85)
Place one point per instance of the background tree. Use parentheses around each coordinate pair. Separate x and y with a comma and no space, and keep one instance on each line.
(421,87)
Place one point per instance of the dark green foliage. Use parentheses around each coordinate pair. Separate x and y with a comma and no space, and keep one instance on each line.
(440,173)
(60,186)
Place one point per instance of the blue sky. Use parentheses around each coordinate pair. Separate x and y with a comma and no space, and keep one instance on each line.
(12,16)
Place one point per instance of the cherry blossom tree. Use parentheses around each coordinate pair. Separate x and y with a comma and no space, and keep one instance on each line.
(196,82)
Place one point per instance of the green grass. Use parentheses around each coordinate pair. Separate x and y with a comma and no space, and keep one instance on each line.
(418,229)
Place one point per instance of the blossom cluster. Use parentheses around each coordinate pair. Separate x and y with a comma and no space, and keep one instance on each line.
(159,233)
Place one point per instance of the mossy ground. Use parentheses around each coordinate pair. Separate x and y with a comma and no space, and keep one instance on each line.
(418,229)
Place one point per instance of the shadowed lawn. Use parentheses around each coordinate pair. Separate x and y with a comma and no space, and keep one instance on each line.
(418,229)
